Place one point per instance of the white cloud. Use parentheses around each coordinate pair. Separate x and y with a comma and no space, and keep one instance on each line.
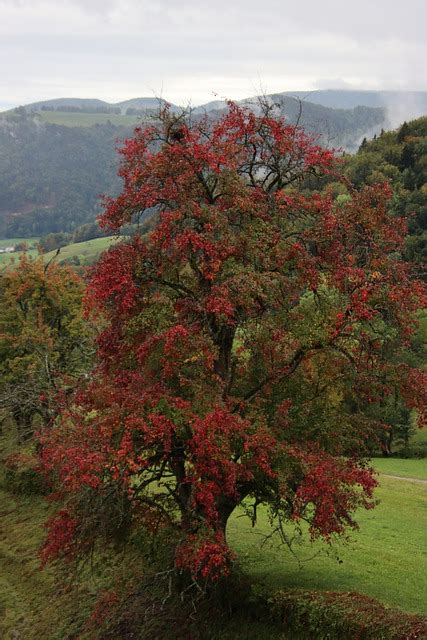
(115,49)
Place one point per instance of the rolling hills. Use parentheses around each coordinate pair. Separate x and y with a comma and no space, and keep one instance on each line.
(54,164)
(58,156)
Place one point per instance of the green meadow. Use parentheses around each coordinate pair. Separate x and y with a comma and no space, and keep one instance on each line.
(7,258)
(411,468)
(86,119)
(86,252)
(80,252)
(384,559)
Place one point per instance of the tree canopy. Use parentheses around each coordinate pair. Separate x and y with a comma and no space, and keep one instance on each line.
(44,340)
(400,158)
(245,339)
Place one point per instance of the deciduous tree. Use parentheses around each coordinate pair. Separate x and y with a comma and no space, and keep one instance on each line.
(244,339)
(44,340)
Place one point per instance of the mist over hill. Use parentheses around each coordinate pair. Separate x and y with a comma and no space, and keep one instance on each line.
(398,105)
(337,127)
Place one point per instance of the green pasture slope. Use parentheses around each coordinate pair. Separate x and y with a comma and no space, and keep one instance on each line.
(11,242)
(7,258)
(86,252)
(86,119)
(384,560)
(411,468)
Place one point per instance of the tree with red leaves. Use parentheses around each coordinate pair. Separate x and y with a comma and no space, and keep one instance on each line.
(244,338)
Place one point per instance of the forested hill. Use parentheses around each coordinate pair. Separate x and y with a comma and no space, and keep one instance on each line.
(399,157)
(51,175)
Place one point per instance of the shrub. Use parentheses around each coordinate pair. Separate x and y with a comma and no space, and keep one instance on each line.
(328,615)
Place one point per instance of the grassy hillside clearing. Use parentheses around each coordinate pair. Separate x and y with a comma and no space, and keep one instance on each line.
(6,258)
(411,468)
(81,252)
(86,119)
(11,242)
(86,251)
(384,560)
(36,606)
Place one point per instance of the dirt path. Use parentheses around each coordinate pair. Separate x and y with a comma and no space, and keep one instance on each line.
(419,480)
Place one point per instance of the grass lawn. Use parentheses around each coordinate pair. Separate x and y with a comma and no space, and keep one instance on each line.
(85,251)
(34,607)
(87,119)
(386,558)
(410,468)
(7,258)
(11,242)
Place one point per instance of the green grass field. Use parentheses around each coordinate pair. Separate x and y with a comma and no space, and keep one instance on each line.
(385,559)
(10,242)
(7,258)
(35,606)
(411,468)
(86,119)
(85,251)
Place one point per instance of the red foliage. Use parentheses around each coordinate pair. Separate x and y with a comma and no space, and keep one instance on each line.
(328,487)
(243,339)
(62,541)
(204,557)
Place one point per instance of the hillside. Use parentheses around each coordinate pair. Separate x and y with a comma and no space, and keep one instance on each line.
(82,253)
(84,119)
(337,127)
(400,158)
(51,176)
(95,105)
(54,164)
(414,103)
(55,103)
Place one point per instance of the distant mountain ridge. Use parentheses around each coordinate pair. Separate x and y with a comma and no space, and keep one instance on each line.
(348,98)
(145,103)
(336,127)
(409,103)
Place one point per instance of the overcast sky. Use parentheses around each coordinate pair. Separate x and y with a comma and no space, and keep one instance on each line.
(197,50)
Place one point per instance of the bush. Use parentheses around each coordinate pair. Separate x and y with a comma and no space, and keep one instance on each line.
(328,615)
(415,450)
